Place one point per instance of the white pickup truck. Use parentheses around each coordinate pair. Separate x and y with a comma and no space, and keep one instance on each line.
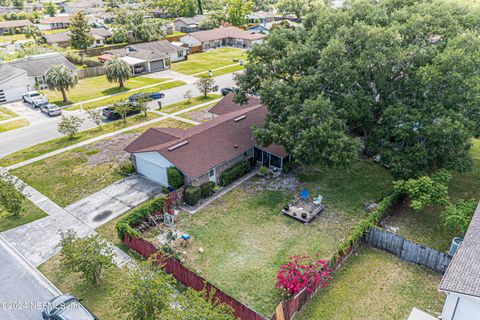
(35,98)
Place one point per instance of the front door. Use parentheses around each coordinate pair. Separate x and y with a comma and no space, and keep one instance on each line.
(265,159)
(212,175)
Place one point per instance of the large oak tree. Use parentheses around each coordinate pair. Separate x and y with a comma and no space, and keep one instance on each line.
(402,77)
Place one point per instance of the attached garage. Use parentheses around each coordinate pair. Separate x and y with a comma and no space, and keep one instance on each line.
(13,83)
(157,65)
(153,166)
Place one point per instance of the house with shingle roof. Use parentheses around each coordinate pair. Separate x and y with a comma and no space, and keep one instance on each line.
(203,152)
(222,37)
(188,25)
(62,39)
(461,281)
(17,25)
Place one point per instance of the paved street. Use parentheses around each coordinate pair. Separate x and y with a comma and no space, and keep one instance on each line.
(43,128)
(23,289)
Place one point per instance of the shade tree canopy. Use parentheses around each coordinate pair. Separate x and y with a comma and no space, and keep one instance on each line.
(401,78)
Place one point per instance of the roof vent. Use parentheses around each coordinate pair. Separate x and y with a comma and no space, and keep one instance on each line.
(178,145)
(239,118)
(235,146)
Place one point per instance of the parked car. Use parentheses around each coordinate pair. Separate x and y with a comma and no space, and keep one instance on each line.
(111,114)
(227,90)
(35,98)
(66,307)
(146,95)
(51,109)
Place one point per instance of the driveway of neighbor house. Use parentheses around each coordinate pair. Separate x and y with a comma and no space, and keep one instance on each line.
(24,289)
(37,241)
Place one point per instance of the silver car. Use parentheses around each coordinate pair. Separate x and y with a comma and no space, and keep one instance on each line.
(51,109)
(66,307)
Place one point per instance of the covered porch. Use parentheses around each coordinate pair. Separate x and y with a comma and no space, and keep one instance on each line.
(270,157)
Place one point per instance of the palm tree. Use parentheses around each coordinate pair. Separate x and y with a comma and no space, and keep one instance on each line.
(117,70)
(60,78)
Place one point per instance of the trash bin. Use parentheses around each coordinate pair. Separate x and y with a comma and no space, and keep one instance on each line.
(241,62)
(159,104)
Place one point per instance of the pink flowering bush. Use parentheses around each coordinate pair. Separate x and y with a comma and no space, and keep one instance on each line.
(303,272)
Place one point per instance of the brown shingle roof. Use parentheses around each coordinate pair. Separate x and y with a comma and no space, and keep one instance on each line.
(208,144)
(227,32)
(57,19)
(226,105)
(463,273)
(15,24)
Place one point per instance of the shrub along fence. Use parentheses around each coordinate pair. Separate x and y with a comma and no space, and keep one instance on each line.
(407,250)
(190,278)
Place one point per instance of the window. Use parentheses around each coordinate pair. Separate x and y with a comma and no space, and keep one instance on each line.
(180,53)
(211,173)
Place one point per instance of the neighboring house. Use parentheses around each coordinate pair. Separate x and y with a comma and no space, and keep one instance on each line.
(37,67)
(261,17)
(215,38)
(264,28)
(62,39)
(150,56)
(188,25)
(31,7)
(203,152)
(8,9)
(87,6)
(55,23)
(13,83)
(461,281)
(157,13)
(17,25)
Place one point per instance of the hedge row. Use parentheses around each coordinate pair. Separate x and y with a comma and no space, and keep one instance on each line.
(127,224)
(194,194)
(235,172)
(371,220)
(175,178)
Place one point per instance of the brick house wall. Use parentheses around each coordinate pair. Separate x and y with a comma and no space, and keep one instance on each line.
(220,169)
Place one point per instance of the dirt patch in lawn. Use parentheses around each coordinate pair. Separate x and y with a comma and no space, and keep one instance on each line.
(105,151)
(200,115)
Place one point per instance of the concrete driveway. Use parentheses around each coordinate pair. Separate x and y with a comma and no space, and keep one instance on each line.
(114,200)
(37,241)
(23,290)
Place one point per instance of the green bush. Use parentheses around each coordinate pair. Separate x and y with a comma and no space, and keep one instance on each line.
(175,178)
(207,189)
(235,172)
(126,168)
(137,216)
(193,195)
(371,220)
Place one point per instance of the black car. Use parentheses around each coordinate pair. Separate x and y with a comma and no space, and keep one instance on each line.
(227,90)
(66,307)
(111,113)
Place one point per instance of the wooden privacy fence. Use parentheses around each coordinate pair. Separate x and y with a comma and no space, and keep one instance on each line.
(190,278)
(90,72)
(407,250)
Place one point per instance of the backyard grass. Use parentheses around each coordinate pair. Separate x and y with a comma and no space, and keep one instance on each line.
(54,31)
(121,97)
(29,213)
(221,72)
(62,142)
(174,107)
(95,87)
(167,123)
(6,114)
(12,125)
(15,37)
(204,61)
(245,238)
(374,285)
(100,298)
(425,226)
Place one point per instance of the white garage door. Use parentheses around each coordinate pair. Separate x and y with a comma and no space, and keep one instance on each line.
(157,65)
(11,94)
(151,170)
(467,309)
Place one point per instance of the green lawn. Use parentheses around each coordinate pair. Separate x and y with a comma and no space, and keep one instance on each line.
(204,61)
(375,285)
(76,174)
(59,143)
(12,125)
(245,238)
(121,97)
(29,213)
(221,72)
(15,37)
(174,107)
(208,116)
(54,31)
(100,298)
(426,227)
(6,114)
(95,87)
